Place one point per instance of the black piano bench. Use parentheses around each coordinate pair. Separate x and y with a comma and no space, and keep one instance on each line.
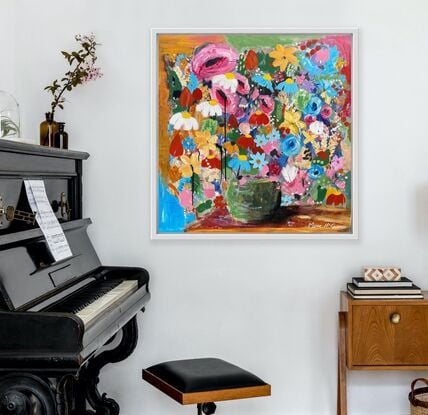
(204,381)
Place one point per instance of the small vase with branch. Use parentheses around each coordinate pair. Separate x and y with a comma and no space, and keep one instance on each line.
(82,70)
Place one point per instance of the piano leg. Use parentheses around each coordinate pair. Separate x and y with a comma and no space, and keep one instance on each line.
(89,375)
(26,394)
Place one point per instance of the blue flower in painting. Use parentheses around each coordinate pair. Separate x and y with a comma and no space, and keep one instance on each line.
(291,145)
(189,144)
(217,186)
(288,86)
(258,161)
(183,181)
(314,105)
(179,58)
(274,135)
(260,140)
(282,161)
(240,163)
(264,81)
(315,172)
(286,200)
(327,86)
(323,62)
(193,82)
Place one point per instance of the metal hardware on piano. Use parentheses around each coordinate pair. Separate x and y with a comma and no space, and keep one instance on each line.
(56,316)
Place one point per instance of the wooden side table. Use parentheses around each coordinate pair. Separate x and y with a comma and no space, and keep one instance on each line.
(380,335)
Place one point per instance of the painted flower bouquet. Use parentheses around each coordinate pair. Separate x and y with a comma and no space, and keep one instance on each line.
(273,114)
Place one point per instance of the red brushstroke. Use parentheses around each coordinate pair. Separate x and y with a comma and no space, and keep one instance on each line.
(176,147)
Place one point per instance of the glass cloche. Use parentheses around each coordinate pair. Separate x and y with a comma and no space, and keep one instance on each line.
(10,123)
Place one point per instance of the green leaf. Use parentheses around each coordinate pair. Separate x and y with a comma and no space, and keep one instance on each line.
(301,99)
(197,186)
(233,135)
(265,63)
(278,113)
(319,193)
(210,125)
(204,206)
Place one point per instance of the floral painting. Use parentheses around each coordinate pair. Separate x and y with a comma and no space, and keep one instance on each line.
(254,133)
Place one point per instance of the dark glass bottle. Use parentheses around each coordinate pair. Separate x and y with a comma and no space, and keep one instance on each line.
(48,128)
(61,137)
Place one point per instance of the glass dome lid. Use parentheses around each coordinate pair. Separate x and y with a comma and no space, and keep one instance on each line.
(10,123)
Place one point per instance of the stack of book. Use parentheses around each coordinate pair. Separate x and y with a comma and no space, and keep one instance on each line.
(401,289)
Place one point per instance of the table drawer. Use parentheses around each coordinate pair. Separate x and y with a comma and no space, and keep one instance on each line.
(377,341)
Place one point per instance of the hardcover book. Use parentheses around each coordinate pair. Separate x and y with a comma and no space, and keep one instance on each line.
(383,291)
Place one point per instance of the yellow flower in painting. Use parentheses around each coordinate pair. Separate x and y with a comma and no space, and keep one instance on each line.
(231,148)
(190,166)
(206,142)
(326,97)
(309,137)
(283,56)
(292,121)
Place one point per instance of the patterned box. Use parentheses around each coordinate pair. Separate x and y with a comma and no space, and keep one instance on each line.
(382,273)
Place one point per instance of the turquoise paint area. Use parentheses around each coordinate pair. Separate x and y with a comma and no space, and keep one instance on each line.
(172,217)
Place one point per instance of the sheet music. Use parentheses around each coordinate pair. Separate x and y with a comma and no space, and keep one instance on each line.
(47,220)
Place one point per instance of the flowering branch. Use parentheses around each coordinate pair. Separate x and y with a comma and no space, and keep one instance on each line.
(84,70)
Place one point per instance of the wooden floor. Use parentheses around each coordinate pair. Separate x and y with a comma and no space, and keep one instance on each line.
(296,219)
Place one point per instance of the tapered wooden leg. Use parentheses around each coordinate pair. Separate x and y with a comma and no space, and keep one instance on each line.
(341,366)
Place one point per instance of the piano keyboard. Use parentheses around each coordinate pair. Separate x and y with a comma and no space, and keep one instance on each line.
(90,303)
(103,303)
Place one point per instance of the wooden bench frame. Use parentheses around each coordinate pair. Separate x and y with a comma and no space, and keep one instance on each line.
(206,396)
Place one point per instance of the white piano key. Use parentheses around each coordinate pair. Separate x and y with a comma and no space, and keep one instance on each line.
(90,313)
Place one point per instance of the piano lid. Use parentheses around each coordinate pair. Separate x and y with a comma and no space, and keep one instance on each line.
(28,273)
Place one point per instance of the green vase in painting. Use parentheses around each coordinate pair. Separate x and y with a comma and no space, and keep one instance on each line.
(255,200)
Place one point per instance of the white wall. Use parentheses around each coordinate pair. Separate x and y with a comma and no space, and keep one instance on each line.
(7,46)
(268,306)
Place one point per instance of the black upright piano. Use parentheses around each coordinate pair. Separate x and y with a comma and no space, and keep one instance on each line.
(60,321)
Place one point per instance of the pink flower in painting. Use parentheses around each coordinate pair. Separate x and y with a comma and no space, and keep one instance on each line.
(213,59)
(254,94)
(300,79)
(240,113)
(264,171)
(227,100)
(337,163)
(243,85)
(298,185)
(267,104)
(321,57)
(341,185)
(309,119)
(326,111)
(209,190)
(330,173)
(185,198)
(244,128)
(270,146)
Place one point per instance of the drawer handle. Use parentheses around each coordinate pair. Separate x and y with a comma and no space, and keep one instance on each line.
(395,318)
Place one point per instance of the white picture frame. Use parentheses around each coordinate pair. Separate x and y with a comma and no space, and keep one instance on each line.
(158,235)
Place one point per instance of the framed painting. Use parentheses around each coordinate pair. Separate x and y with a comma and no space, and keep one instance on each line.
(254,133)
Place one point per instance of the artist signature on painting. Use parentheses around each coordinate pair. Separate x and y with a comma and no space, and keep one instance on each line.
(313,225)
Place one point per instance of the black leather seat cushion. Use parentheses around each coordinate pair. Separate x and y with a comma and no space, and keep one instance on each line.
(205,374)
